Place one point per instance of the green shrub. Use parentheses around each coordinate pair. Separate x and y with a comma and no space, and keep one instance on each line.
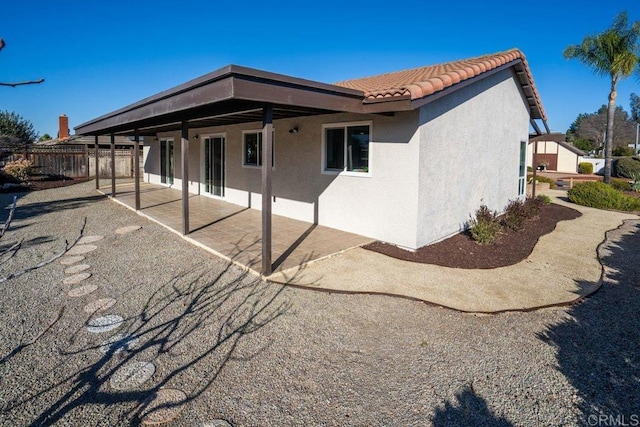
(635,186)
(622,151)
(19,169)
(544,199)
(585,167)
(620,184)
(539,178)
(529,169)
(625,166)
(514,215)
(484,227)
(597,194)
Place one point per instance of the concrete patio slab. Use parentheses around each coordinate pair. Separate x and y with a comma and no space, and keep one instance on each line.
(562,268)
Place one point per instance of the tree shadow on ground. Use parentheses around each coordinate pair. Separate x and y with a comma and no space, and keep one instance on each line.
(597,345)
(192,324)
(468,409)
(31,210)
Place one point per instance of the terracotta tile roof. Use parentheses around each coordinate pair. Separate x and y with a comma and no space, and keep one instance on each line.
(423,81)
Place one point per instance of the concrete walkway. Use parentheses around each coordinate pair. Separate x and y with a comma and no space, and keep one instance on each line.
(562,268)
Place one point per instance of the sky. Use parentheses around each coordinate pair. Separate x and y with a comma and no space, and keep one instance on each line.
(97,57)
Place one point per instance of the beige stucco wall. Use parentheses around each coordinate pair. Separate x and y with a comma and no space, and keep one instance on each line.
(381,204)
(469,154)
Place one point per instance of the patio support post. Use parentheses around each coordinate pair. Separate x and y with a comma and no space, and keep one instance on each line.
(136,167)
(267,153)
(113,166)
(185,177)
(97,168)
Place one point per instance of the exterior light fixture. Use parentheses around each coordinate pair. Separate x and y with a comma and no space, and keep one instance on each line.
(293,130)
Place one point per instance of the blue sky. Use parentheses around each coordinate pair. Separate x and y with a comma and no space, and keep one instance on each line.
(99,56)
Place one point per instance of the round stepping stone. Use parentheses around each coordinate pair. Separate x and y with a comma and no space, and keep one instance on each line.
(117,343)
(78,268)
(69,260)
(76,278)
(128,229)
(104,323)
(82,291)
(89,239)
(132,375)
(81,249)
(101,304)
(217,423)
(163,406)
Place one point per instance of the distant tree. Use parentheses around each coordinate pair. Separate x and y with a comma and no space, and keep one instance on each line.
(45,137)
(14,84)
(612,53)
(16,130)
(634,102)
(588,130)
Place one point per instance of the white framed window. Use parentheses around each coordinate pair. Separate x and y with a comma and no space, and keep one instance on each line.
(346,148)
(252,148)
(522,173)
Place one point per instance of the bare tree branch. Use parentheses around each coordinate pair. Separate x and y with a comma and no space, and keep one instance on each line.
(28,82)
(2,43)
(7,223)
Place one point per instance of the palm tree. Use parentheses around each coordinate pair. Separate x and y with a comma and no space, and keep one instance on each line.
(612,53)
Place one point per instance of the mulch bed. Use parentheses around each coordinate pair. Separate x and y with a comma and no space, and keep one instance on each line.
(42,183)
(461,251)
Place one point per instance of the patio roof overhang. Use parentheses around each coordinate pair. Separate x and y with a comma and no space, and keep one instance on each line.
(230,95)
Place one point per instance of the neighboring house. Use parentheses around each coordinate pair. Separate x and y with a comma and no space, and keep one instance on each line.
(104,141)
(402,157)
(554,152)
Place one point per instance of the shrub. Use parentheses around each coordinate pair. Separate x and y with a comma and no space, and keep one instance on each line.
(19,169)
(597,194)
(484,227)
(514,215)
(622,151)
(532,206)
(635,186)
(620,184)
(585,167)
(546,200)
(539,178)
(529,169)
(625,166)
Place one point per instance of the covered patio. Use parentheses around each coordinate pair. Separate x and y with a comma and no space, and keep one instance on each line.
(234,231)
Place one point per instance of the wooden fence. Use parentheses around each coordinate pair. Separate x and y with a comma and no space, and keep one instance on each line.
(74,161)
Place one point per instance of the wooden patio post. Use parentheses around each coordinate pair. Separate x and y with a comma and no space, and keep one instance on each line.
(113,165)
(136,167)
(185,177)
(97,168)
(267,152)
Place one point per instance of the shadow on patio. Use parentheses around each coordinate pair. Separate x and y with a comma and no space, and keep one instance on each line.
(234,231)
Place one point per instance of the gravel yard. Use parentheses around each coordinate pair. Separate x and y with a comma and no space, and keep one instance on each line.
(257,354)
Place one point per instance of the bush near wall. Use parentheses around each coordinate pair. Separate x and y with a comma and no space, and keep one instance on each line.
(540,178)
(599,195)
(624,167)
(19,169)
(622,151)
(585,167)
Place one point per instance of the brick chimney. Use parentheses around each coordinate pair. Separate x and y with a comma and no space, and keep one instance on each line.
(63,129)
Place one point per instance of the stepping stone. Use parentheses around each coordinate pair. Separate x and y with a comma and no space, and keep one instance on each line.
(129,229)
(101,304)
(104,323)
(119,342)
(69,260)
(89,239)
(76,278)
(78,268)
(81,249)
(163,406)
(82,291)
(132,375)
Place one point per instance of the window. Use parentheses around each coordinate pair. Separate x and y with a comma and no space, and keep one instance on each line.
(252,147)
(346,147)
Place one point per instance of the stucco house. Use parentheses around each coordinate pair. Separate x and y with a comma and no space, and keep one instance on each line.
(402,157)
(554,152)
